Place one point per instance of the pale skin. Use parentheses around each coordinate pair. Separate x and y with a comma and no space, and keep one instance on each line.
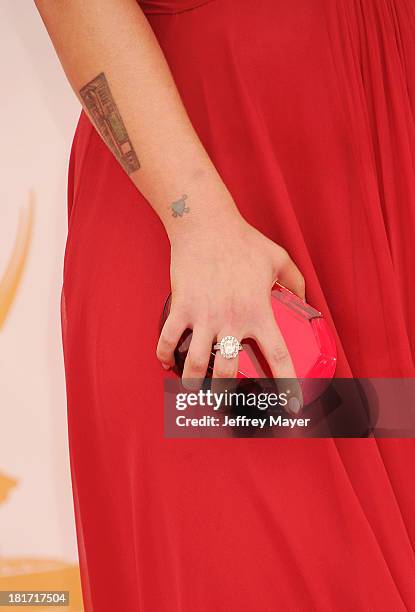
(222,268)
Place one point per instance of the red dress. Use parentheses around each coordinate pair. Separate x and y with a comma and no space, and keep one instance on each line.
(307,109)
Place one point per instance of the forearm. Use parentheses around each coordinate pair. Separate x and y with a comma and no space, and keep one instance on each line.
(116,67)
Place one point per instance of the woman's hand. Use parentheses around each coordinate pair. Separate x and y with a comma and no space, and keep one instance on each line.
(222,269)
(221,285)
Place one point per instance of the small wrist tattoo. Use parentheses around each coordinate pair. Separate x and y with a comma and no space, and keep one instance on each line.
(179,207)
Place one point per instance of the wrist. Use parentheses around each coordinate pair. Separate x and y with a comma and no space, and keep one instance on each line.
(201,214)
(204,225)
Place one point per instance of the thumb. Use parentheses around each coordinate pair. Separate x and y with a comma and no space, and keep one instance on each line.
(291,277)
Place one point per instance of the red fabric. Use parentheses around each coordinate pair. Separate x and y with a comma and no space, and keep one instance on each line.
(307,109)
(166,7)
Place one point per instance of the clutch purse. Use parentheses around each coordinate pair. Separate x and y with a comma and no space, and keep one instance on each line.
(309,339)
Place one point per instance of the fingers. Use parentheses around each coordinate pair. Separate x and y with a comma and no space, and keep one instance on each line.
(268,337)
(226,368)
(275,351)
(197,359)
(290,276)
(170,335)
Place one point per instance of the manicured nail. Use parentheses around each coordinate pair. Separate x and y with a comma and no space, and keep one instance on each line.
(166,366)
(294,405)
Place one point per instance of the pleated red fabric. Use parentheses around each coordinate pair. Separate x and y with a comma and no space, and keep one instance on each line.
(307,110)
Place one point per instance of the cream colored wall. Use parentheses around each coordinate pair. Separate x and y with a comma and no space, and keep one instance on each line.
(37,120)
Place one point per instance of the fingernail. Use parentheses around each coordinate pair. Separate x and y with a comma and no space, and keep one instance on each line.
(165,366)
(294,405)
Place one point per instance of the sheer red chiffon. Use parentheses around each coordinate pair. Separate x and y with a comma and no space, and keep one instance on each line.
(307,110)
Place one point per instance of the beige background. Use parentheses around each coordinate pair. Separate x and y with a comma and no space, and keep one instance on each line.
(38,116)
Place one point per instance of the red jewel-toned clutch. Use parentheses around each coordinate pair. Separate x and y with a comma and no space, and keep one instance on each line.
(307,334)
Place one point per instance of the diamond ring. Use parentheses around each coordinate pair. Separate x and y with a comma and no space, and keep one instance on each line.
(229,347)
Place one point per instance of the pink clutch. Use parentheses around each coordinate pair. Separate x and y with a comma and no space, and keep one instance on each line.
(307,334)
